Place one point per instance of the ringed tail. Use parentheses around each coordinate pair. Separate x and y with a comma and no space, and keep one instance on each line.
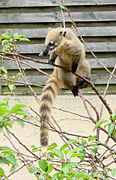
(49,93)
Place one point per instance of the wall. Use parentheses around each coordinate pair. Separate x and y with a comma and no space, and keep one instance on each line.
(95,20)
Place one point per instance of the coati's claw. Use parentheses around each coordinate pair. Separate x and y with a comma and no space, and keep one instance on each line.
(75,91)
(41,53)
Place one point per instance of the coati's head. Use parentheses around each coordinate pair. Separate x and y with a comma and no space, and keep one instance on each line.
(53,39)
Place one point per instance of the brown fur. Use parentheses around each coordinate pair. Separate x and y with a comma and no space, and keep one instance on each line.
(68,51)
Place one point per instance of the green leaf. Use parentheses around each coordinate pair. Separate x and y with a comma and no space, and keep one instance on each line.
(5,42)
(3,110)
(22,112)
(46,176)
(10,151)
(71,141)
(70,164)
(1,120)
(4,105)
(77,155)
(92,152)
(83,141)
(6,36)
(8,123)
(58,153)
(5,48)
(20,122)
(64,147)
(62,6)
(70,151)
(65,170)
(43,165)
(114,117)
(15,108)
(4,161)
(4,148)
(13,168)
(114,133)
(3,69)
(49,155)
(50,168)
(82,175)
(56,175)
(111,127)
(99,123)
(81,147)
(15,35)
(113,172)
(5,76)
(91,138)
(12,86)
(52,146)
(1,128)
(96,174)
(35,149)
(1,37)
(95,146)
(24,39)
(11,158)
(2,173)
(34,170)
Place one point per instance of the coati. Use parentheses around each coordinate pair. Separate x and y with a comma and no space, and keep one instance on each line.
(64,49)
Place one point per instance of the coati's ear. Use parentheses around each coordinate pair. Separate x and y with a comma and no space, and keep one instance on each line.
(49,29)
(63,33)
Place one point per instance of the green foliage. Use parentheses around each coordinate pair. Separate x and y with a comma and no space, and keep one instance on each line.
(62,6)
(99,123)
(64,157)
(111,125)
(4,74)
(114,117)
(6,118)
(113,172)
(64,163)
(8,41)
(7,157)
(10,44)
(2,174)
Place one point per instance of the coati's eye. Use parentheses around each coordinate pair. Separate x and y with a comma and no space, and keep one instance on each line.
(63,33)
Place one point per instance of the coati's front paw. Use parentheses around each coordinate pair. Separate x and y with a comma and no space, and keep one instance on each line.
(75,91)
(74,68)
(51,61)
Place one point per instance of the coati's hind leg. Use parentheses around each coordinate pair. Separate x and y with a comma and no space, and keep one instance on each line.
(75,91)
(85,71)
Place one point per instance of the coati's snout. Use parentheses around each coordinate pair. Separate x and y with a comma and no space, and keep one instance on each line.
(51,45)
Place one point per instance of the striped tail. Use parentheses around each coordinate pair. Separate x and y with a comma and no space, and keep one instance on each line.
(48,96)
